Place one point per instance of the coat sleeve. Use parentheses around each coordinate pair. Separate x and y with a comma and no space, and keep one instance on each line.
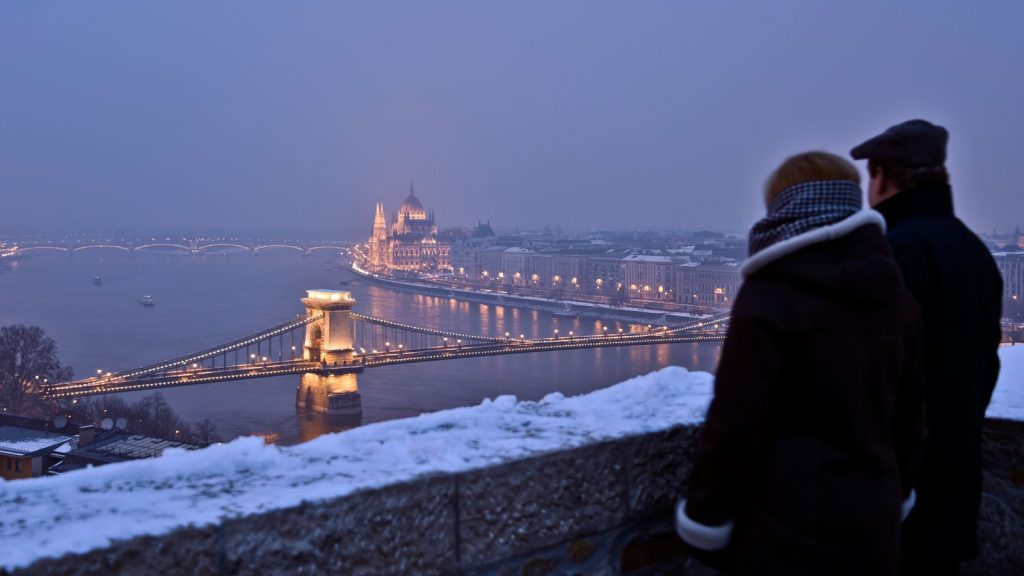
(735,431)
(909,415)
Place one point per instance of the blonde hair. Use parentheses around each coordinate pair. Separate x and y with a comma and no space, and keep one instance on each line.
(809,167)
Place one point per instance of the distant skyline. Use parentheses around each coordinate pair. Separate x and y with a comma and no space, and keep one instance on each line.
(263,116)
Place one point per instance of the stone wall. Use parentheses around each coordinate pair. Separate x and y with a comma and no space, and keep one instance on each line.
(603,508)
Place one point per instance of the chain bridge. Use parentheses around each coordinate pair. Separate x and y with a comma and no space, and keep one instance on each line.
(330,344)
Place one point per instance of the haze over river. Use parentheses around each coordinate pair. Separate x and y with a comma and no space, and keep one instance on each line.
(206,300)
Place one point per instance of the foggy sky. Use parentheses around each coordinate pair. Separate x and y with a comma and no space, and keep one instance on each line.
(292,116)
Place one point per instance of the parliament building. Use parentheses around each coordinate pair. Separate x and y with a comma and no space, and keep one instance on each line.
(411,242)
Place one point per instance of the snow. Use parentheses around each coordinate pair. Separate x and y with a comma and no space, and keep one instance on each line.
(1008,397)
(23,441)
(94,506)
(91,507)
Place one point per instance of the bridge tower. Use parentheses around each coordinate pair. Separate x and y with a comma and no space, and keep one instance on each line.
(332,389)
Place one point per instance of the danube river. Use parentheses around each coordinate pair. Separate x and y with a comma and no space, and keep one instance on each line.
(206,300)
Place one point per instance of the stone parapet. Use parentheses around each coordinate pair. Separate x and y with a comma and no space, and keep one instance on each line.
(601,508)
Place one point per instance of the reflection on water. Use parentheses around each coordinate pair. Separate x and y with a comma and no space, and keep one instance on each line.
(312,425)
(201,301)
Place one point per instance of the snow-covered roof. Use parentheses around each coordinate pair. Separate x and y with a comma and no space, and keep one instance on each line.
(647,258)
(18,441)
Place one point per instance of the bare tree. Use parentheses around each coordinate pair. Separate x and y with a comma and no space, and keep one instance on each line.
(204,432)
(28,361)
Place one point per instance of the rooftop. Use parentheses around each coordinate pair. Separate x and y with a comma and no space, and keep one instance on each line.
(17,441)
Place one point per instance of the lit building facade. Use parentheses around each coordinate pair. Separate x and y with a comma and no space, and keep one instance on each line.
(411,243)
(611,276)
(1011,265)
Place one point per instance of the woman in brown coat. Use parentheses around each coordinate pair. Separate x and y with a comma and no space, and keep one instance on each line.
(806,461)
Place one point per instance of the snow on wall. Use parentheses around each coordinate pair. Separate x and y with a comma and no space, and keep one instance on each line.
(1008,397)
(86,509)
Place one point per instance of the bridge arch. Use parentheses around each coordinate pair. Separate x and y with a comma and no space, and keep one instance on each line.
(98,246)
(312,248)
(163,245)
(272,246)
(223,245)
(55,248)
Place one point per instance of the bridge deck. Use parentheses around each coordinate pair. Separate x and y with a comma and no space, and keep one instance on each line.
(187,377)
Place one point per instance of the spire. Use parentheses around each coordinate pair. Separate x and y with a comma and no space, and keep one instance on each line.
(412,191)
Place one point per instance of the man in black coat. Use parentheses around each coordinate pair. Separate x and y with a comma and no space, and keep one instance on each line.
(958,287)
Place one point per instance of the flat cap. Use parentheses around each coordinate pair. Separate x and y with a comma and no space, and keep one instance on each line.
(912,144)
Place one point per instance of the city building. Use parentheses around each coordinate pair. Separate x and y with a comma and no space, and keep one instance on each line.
(648,278)
(29,446)
(411,243)
(683,279)
(1011,265)
(114,445)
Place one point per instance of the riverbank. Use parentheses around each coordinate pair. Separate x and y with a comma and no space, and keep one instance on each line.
(568,308)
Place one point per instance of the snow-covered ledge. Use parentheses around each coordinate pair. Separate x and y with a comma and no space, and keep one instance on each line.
(582,484)
(88,509)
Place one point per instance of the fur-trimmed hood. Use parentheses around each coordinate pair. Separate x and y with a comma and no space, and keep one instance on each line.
(848,261)
(818,235)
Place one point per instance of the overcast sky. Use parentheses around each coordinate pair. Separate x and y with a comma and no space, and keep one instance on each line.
(301,115)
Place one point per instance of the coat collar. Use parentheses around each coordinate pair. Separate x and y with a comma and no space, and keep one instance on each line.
(815,236)
(929,199)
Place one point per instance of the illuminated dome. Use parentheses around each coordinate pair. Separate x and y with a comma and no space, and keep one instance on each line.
(411,208)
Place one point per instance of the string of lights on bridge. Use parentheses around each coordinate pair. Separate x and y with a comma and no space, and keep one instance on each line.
(488,345)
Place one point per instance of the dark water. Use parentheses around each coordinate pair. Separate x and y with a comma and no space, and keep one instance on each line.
(206,300)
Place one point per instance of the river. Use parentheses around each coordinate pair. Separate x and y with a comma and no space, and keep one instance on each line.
(206,300)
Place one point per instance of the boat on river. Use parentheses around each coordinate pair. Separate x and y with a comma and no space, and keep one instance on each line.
(147,301)
(566,311)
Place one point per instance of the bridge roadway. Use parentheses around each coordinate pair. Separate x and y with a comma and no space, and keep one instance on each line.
(190,246)
(203,375)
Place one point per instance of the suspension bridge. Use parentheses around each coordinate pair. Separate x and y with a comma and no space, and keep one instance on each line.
(330,344)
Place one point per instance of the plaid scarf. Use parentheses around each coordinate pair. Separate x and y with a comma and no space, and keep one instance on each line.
(804,207)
